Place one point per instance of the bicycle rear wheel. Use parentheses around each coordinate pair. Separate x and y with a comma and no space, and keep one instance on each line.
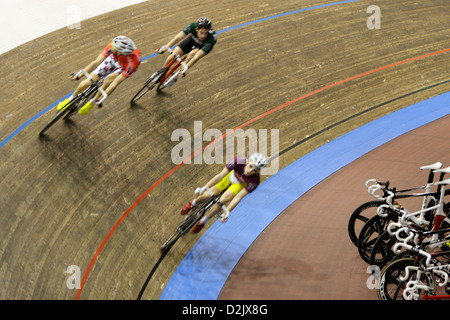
(69,108)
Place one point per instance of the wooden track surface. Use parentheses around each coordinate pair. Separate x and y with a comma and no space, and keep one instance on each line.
(61,196)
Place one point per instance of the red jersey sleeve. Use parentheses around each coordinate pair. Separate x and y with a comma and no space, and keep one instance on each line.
(108,50)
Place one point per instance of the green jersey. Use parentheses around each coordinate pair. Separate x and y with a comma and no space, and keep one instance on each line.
(210,40)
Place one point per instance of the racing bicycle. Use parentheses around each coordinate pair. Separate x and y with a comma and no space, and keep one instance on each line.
(163,78)
(392,212)
(194,216)
(382,251)
(79,101)
(365,211)
(414,273)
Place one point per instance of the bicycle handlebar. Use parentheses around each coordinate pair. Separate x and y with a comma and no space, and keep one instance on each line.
(410,247)
(177,57)
(373,185)
(88,76)
(376,186)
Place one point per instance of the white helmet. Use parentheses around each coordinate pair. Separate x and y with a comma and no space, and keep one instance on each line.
(259,160)
(124,45)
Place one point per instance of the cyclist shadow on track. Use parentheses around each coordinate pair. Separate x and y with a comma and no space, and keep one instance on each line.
(150,101)
(156,111)
(71,151)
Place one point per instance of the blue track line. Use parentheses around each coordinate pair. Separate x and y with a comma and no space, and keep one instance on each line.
(27,123)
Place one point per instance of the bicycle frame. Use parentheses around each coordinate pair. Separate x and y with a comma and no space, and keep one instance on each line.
(74,104)
(192,218)
(408,218)
(412,286)
(159,77)
(428,265)
(372,189)
(224,215)
(88,76)
(178,60)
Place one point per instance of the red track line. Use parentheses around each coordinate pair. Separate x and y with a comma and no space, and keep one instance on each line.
(116,225)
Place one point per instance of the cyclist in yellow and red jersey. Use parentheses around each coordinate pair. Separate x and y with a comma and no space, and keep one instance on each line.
(240,177)
(196,40)
(117,62)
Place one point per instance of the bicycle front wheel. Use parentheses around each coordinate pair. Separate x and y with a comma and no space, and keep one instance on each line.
(149,85)
(360,216)
(369,235)
(382,251)
(163,79)
(69,108)
(189,221)
(391,287)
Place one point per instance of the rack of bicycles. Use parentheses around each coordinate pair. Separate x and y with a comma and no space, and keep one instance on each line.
(407,251)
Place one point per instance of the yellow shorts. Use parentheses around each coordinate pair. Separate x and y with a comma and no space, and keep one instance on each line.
(226,183)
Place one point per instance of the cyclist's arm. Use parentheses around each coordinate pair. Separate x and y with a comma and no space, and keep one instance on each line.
(180,36)
(200,54)
(120,78)
(91,66)
(237,199)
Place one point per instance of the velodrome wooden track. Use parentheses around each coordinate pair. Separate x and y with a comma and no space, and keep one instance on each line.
(61,196)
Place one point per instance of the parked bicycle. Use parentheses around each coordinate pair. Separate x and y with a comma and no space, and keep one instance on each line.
(193,217)
(79,101)
(382,251)
(163,78)
(391,211)
(367,210)
(415,272)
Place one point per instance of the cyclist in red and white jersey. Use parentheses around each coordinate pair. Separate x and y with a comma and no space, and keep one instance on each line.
(117,62)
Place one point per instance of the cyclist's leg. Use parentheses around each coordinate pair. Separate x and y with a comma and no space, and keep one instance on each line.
(205,196)
(224,200)
(111,82)
(218,188)
(228,195)
(106,84)
(84,84)
(179,51)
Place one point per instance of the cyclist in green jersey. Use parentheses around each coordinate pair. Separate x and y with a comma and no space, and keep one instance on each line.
(196,40)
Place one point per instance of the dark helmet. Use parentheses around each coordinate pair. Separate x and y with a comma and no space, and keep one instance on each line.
(204,23)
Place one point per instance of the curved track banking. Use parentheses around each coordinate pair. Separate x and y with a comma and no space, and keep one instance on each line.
(62,196)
